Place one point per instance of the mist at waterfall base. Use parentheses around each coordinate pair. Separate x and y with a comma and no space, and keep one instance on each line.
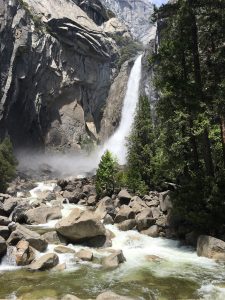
(73,164)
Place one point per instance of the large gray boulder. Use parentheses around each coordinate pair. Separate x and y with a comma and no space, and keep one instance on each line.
(10,204)
(42,214)
(22,233)
(80,226)
(124,197)
(127,225)
(4,232)
(3,247)
(165,201)
(85,254)
(4,221)
(46,262)
(53,237)
(211,247)
(137,204)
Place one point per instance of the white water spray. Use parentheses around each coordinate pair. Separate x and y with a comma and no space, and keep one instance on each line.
(117,142)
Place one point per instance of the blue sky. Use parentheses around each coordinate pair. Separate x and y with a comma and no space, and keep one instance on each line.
(159,2)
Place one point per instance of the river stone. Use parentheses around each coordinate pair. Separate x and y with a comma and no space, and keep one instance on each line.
(3,247)
(137,204)
(211,247)
(85,255)
(113,260)
(112,296)
(22,233)
(124,213)
(43,214)
(24,253)
(4,221)
(127,225)
(165,202)
(104,206)
(53,237)
(153,231)
(63,249)
(45,262)
(4,232)
(124,197)
(10,204)
(80,226)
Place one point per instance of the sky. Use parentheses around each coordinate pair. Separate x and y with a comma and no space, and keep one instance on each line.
(159,2)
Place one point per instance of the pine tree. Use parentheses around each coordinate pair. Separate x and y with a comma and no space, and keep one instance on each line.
(141,147)
(106,175)
(7,163)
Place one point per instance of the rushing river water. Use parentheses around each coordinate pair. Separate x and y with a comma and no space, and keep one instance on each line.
(155,268)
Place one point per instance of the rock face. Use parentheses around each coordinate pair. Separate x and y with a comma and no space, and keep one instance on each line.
(24,253)
(80,226)
(211,247)
(135,14)
(57,70)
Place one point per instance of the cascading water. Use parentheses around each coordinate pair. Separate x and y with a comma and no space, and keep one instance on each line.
(117,142)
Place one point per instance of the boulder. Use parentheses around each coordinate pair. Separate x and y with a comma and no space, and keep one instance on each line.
(124,213)
(85,255)
(63,249)
(144,219)
(113,260)
(153,231)
(4,232)
(191,238)
(105,206)
(137,204)
(4,221)
(165,202)
(22,233)
(153,202)
(112,296)
(155,212)
(19,212)
(10,204)
(72,197)
(124,197)
(211,247)
(45,262)
(43,214)
(2,211)
(91,200)
(53,237)
(127,225)
(24,253)
(80,225)
(89,189)
(3,247)
(59,268)
(108,219)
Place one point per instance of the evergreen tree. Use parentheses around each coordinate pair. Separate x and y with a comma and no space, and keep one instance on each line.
(106,175)
(7,163)
(141,148)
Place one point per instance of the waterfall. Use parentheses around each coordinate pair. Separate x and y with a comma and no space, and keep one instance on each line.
(117,142)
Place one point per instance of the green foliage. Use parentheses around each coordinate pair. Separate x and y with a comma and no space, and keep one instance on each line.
(7,163)
(106,175)
(190,129)
(141,148)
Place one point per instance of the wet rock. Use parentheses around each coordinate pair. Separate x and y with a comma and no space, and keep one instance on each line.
(211,247)
(22,233)
(46,262)
(165,202)
(53,237)
(80,225)
(19,212)
(112,296)
(153,258)
(3,247)
(46,196)
(89,189)
(62,249)
(162,221)
(72,197)
(144,219)
(43,214)
(4,232)
(59,268)
(124,197)
(85,255)
(153,231)
(4,221)
(24,253)
(127,225)
(124,213)
(113,260)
